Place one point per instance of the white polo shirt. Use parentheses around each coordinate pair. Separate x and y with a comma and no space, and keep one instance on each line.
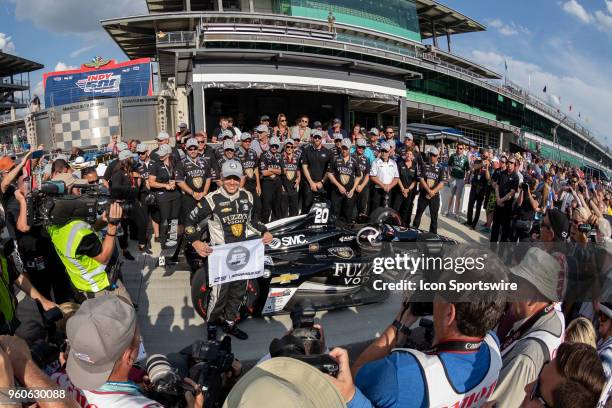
(385,171)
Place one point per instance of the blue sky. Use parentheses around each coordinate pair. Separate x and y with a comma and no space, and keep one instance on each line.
(564,45)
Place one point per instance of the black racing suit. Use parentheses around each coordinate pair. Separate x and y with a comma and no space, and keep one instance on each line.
(271,186)
(229,217)
(250,164)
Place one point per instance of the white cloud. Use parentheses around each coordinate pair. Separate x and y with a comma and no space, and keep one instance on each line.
(507,29)
(604,18)
(60,66)
(39,90)
(74,16)
(6,44)
(585,87)
(574,8)
(78,52)
(609,6)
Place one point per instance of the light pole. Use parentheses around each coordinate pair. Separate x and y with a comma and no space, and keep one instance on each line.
(555,136)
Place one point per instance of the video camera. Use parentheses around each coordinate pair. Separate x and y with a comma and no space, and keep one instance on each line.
(208,361)
(52,205)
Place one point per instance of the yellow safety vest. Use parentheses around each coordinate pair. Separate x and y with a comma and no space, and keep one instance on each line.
(8,303)
(86,274)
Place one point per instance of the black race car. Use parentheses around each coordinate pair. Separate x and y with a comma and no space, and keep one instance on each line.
(317,261)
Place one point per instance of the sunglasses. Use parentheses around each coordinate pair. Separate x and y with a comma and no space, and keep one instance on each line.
(274,147)
(192,148)
(361,147)
(141,153)
(288,147)
(384,151)
(246,141)
(201,142)
(316,137)
(535,392)
(603,318)
(283,120)
(390,133)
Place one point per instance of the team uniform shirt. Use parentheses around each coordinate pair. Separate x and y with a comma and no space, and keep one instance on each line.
(317,161)
(336,152)
(194,173)
(433,174)
(386,171)
(270,161)
(507,182)
(364,164)
(407,174)
(409,378)
(458,165)
(290,173)
(345,172)
(250,162)
(229,217)
(163,174)
(479,180)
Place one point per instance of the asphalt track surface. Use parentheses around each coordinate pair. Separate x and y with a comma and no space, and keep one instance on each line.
(169,323)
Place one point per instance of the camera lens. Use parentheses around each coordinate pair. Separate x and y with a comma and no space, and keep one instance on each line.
(158,368)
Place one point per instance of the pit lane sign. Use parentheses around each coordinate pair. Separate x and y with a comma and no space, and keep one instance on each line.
(234,262)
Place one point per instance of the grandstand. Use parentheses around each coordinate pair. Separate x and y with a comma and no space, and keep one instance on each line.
(384,62)
(15,82)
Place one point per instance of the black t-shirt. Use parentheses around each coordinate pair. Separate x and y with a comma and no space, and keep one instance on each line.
(218,130)
(120,179)
(407,174)
(506,183)
(110,169)
(31,244)
(163,174)
(345,171)
(194,173)
(525,210)
(317,161)
(10,204)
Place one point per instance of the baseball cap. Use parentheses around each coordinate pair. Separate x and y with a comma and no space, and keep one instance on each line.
(163,136)
(317,124)
(284,382)
(245,136)
(316,133)
(409,136)
(288,142)
(373,131)
(229,145)
(121,146)
(6,163)
(141,148)
(385,146)
(191,142)
(68,179)
(361,142)
(98,334)
(231,168)
(164,150)
(262,129)
(275,142)
(336,121)
(337,136)
(606,308)
(226,133)
(541,270)
(346,143)
(560,224)
(183,125)
(124,154)
(434,150)
(264,117)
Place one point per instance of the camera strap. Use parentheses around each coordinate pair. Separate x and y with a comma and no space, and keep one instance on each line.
(456,346)
(514,335)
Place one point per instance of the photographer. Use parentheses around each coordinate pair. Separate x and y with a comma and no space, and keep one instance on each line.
(481,176)
(91,263)
(123,180)
(227,222)
(104,340)
(464,359)
(505,186)
(524,212)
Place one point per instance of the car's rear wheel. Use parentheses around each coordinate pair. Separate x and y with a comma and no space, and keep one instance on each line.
(385,215)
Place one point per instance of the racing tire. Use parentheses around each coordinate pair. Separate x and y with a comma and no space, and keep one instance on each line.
(386,215)
(200,293)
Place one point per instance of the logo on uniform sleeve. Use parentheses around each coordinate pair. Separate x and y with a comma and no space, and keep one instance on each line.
(237,230)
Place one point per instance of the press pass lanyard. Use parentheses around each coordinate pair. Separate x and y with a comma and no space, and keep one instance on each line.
(514,335)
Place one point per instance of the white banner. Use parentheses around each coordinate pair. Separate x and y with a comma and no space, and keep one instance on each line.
(237,261)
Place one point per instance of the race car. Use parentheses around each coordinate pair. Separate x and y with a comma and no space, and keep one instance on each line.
(315,260)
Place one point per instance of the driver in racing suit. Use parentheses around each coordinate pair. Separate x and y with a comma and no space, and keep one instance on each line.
(228,211)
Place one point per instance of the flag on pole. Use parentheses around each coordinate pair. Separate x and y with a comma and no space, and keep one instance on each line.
(506,65)
(578,114)
(570,108)
(544,90)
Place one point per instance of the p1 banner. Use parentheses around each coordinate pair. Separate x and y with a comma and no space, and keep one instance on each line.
(235,262)
(106,79)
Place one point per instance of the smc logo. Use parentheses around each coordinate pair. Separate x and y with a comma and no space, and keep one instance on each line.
(288,241)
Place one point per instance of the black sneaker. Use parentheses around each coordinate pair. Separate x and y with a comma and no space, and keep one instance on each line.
(233,330)
(127,255)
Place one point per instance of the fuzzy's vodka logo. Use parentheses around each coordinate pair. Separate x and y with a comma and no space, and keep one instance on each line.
(100,83)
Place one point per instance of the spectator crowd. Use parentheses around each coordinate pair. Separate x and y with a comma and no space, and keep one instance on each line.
(486,351)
